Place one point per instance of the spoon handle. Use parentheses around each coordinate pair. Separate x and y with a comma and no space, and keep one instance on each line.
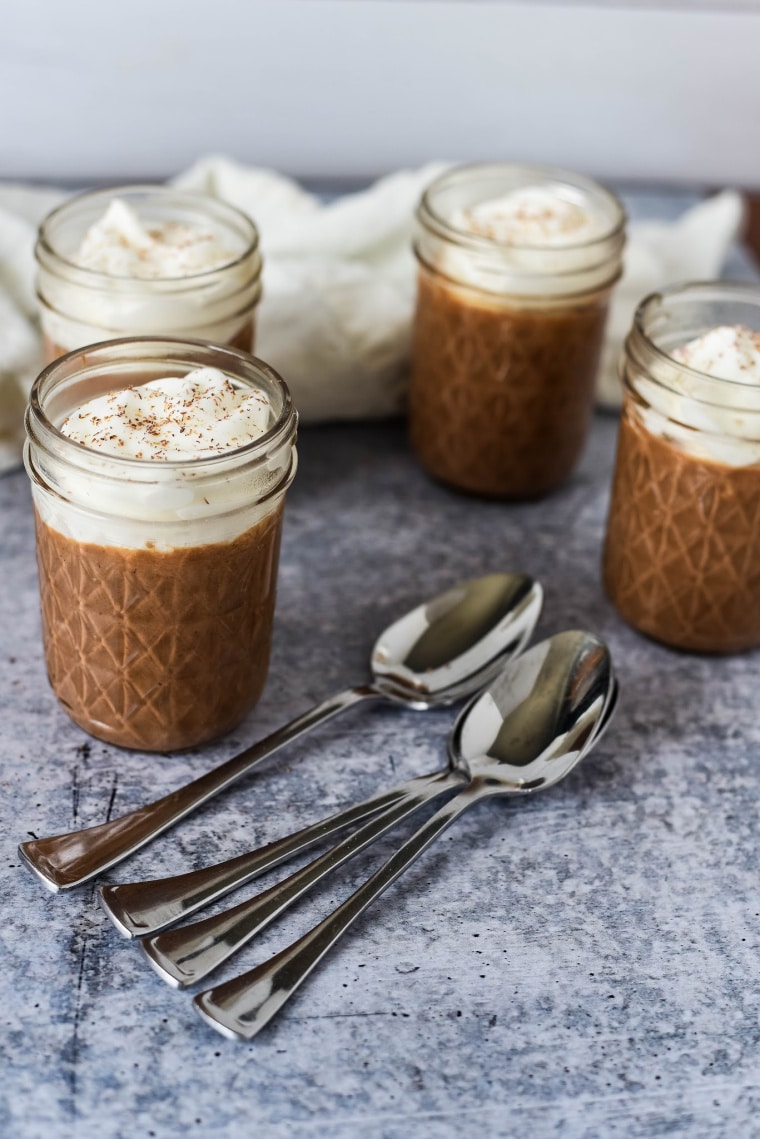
(138,909)
(64,861)
(186,955)
(241,1007)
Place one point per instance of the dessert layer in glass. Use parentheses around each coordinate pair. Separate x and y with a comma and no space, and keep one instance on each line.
(501,395)
(682,554)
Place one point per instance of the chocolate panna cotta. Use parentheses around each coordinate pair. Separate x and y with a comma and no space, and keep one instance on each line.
(153,649)
(158,596)
(511,416)
(682,551)
(516,267)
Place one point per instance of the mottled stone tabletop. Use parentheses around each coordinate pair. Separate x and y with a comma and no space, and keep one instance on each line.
(583,963)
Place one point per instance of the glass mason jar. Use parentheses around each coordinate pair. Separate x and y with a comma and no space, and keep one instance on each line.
(507,337)
(682,551)
(157,579)
(83,306)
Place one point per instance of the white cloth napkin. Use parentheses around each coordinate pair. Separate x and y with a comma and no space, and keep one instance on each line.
(338,285)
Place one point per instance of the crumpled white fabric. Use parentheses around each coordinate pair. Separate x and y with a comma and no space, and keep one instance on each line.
(338,285)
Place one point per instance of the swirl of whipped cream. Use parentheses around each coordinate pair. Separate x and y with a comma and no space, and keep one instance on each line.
(728,352)
(147,261)
(545,240)
(727,430)
(120,245)
(171,497)
(174,418)
(533,215)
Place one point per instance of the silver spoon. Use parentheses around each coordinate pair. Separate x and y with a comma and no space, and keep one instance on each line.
(524,734)
(439,653)
(185,956)
(138,909)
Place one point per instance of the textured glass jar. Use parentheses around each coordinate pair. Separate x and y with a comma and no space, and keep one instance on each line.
(682,552)
(157,579)
(83,306)
(507,337)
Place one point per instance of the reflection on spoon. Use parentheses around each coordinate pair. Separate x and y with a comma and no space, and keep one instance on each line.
(525,733)
(457,642)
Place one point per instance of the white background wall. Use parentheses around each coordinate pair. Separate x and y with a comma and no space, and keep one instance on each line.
(108,89)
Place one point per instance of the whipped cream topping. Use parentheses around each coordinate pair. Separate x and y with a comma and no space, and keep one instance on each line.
(533,215)
(544,241)
(121,245)
(178,417)
(729,352)
(679,409)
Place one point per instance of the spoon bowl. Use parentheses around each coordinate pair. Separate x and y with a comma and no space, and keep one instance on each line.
(449,647)
(537,719)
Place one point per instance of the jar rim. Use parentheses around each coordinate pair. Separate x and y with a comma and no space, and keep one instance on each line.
(110,351)
(541,298)
(191,197)
(428,215)
(697,290)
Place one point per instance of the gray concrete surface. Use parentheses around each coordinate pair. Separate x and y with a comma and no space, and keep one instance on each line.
(581,964)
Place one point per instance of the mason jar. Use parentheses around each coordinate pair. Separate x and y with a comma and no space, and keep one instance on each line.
(682,550)
(81,306)
(507,335)
(157,579)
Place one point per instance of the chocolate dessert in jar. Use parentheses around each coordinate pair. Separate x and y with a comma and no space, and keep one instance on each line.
(682,551)
(159,469)
(146,261)
(516,265)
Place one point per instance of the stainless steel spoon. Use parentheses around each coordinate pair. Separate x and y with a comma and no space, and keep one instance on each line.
(439,653)
(185,956)
(524,734)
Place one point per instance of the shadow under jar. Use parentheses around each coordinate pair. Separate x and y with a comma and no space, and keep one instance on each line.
(82,305)
(509,324)
(157,578)
(682,551)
